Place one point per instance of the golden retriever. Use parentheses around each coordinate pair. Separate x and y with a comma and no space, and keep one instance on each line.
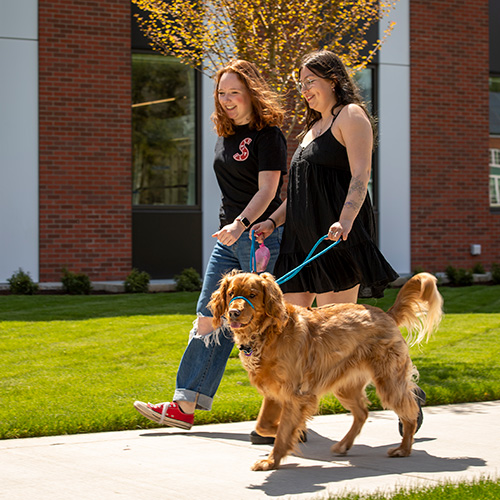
(294,355)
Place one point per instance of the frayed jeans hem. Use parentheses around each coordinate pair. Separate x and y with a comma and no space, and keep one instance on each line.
(203,402)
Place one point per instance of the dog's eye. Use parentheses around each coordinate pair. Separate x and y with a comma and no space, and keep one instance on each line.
(253,295)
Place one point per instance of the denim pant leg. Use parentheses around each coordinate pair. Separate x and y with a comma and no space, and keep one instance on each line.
(201,369)
(204,360)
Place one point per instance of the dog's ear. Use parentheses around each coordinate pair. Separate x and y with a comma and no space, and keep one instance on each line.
(273,300)
(218,301)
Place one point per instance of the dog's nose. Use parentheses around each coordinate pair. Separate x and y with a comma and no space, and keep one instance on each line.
(234,313)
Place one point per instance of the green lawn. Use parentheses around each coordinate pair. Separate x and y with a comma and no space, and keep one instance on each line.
(484,489)
(72,364)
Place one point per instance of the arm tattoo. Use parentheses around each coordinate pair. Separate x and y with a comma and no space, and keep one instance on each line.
(356,194)
(352,205)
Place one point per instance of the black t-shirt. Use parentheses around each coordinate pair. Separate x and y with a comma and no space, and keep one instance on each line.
(238,160)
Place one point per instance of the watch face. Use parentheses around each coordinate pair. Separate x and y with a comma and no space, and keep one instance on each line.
(244,221)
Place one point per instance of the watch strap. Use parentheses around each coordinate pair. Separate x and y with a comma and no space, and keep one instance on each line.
(246,223)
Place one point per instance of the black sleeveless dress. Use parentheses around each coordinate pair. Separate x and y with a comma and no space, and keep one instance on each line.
(317,188)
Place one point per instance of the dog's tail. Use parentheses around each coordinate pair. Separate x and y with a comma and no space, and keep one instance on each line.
(418,307)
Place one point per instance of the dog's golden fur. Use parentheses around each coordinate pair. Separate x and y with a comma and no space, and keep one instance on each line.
(298,354)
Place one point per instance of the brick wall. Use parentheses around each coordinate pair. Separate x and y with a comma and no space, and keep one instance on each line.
(85,138)
(450,135)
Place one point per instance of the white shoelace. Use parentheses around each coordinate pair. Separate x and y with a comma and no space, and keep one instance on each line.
(163,411)
(165,408)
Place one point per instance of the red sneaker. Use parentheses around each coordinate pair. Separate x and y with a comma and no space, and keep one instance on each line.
(165,414)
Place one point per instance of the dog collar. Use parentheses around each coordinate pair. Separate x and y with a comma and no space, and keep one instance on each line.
(241,297)
(246,349)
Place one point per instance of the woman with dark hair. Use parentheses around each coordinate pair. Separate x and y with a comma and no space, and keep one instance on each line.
(249,163)
(327,195)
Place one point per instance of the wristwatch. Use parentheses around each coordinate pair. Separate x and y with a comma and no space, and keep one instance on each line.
(244,221)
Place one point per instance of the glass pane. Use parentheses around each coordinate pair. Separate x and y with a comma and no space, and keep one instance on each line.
(495,105)
(364,79)
(495,177)
(163,131)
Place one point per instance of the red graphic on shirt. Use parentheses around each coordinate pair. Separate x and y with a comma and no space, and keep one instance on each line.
(244,150)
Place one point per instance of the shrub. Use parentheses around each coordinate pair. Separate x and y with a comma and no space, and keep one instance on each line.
(459,277)
(137,282)
(76,283)
(418,269)
(20,283)
(464,277)
(188,281)
(495,273)
(478,269)
(451,274)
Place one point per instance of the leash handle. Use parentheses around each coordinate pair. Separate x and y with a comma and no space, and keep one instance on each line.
(307,260)
(293,272)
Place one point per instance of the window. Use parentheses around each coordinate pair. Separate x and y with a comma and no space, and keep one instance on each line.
(163,132)
(495,142)
(364,80)
(495,178)
(495,105)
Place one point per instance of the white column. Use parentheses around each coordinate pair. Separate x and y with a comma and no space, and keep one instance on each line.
(210,191)
(18,138)
(394,147)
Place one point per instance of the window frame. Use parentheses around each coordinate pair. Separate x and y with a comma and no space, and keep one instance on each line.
(196,207)
(375,160)
(493,148)
(495,162)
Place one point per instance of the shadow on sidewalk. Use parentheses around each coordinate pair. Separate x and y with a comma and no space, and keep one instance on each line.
(362,461)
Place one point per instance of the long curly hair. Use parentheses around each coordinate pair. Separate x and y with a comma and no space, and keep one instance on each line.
(328,65)
(266,107)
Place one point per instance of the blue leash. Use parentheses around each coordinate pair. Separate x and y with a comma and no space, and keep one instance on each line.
(253,261)
(307,260)
(293,272)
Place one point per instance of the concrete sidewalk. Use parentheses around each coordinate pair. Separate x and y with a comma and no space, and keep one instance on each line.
(212,462)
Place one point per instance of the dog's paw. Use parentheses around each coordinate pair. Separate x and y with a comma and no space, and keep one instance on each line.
(399,452)
(264,465)
(339,449)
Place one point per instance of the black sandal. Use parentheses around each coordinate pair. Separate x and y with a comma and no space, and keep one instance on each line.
(421,397)
(258,439)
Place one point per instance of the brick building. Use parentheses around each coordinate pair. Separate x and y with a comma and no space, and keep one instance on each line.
(106,147)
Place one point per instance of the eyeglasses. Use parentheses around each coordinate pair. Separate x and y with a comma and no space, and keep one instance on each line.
(306,84)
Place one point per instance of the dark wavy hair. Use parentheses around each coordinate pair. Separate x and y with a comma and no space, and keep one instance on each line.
(328,65)
(266,107)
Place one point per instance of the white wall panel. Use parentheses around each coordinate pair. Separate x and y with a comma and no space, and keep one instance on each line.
(394,149)
(19,19)
(18,138)
(210,190)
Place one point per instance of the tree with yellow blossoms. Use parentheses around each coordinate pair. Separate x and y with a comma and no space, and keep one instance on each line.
(274,34)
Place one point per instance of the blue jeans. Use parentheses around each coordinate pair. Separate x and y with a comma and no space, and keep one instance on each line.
(205,359)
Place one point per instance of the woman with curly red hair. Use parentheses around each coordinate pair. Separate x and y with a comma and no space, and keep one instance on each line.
(249,163)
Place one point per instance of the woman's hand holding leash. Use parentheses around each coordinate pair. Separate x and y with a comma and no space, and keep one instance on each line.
(339,230)
(262,230)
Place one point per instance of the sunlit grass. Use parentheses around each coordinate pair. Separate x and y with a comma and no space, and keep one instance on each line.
(483,489)
(71,364)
